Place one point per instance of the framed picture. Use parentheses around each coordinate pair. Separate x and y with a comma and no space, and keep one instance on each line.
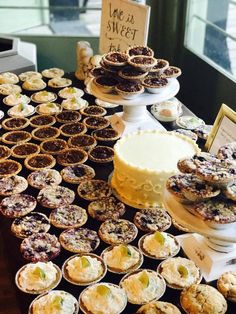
(223,131)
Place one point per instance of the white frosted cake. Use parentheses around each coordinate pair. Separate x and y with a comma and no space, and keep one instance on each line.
(143,162)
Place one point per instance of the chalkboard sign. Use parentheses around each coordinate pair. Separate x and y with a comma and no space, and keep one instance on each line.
(123,24)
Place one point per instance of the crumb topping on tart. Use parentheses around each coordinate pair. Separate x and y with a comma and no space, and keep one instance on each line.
(55,196)
(77,173)
(94,189)
(17,205)
(43,178)
(12,185)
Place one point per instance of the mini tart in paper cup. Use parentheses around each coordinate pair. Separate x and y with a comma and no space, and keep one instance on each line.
(38,276)
(126,251)
(13,124)
(23,150)
(84,269)
(43,96)
(129,90)
(150,286)
(15,99)
(151,243)
(107,295)
(131,74)
(160,67)
(42,120)
(155,85)
(172,72)
(142,63)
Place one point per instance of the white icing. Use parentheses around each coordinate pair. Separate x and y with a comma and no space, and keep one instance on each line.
(155,248)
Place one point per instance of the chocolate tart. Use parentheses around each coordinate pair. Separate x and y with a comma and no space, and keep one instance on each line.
(72,156)
(129,90)
(155,85)
(105,84)
(101,154)
(17,205)
(74,128)
(92,190)
(55,196)
(5,152)
(160,67)
(68,116)
(29,75)
(8,78)
(45,133)
(44,178)
(107,135)
(69,92)
(7,89)
(142,63)
(34,84)
(9,168)
(77,173)
(83,141)
(12,185)
(14,137)
(24,150)
(93,111)
(48,108)
(115,59)
(39,161)
(96,123)
(172,72)
(132,74)
(52,72)
(140,51)
(13,124)
(59,82)
(43,96)
(53,146)
(42,120)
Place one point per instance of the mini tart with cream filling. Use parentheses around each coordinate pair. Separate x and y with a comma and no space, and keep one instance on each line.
(24,150)
(34,84)
(8,78)
(172,72)
(83,269)
(132,74)
(21,110)
(142,63)
(140,51)
(45,133)
(53,146)
(68,116)
(42,120)
(55,196)
(52,72)
(44,96)
(14,137)
(39,161)
(129,90)
(5,152)
(43,178)
(83,141)
(29,75)
(101,154)
(69,92)
(92,190)
(48,108)
(59,82)
(93,111)
(76,173)
(73,128)
(72,156)
(115,59)
(96,123)
(74,103)
(7,89)
(13,124)
(16,99)
(106,84)
(9,168)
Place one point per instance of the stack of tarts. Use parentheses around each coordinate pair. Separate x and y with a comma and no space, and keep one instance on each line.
(132,72)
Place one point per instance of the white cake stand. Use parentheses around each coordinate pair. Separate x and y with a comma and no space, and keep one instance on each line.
(135,115)
(213,250)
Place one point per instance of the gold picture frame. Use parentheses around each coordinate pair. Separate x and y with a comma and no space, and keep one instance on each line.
(228,116)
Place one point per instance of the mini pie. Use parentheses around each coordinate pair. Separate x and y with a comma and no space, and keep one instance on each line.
(189,122)
(93,111)
(172,72)
(227,151)
(201,299)
(109,69)
(74,128)
(76,173)
(5,152)
(97,71)
(72,156)
(32,223)
(83,141)
(158,307)
(175,184)
(53,146)
(115,59)
(9,168)
(129,90)
(101,154)
(44,178)
(34,84)
(154,84)
(160,67)
(16,99)
(142,63)
(7,89)
(96,123)
(106,208)
(152,219)
(14,137)
(55,196)
(24,150)
(190,165)
(59,82)
(21,110)
(74,103)
(84,269)
(13,124)
(106,84)
(67,116)
(132,74)
(69,92)
(68,216)
(42,120)
(188,133)
(40,247)
(17,205)
(12,185)
(29,75)
(230,192)
(92,190)
(140,50)
(79,240)
(8,78)
(226,284)
(106,135)
(117,231)
(48,108)
(52,72)
(39,161)
(45,132)
(43,96)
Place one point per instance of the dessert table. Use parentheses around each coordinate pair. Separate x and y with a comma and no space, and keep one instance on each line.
(12,244)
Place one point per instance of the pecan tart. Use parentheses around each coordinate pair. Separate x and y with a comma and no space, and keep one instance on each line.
(115,59)
(106,208)
(55,196)
(77,173)
(12,185)
(68,216)
(106,135)
(69,92)
(101,154)
(40,247)
(73,128)
(9,168)
(142,63)
(14,137)
(17,205)
(155,85)
(140,51)
(5,152)
(72,156)
(132,74)
(52,72)
(29,75)
(129,90)
(43,96)
(7,89)
(59,82)
(79,240)
(68,116)
(106,84)
(44,178)
(48,108)
(83,141)
(93,111)
(8,78)
(109,69)
(96,123)
(16,99)
(34,84)
(39,161)
(45,133)
(53,146)
(97,71)
(24,150)
(13,124)
(172,72)
(32,223)
(42,120)
(160,67)
(92,190)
